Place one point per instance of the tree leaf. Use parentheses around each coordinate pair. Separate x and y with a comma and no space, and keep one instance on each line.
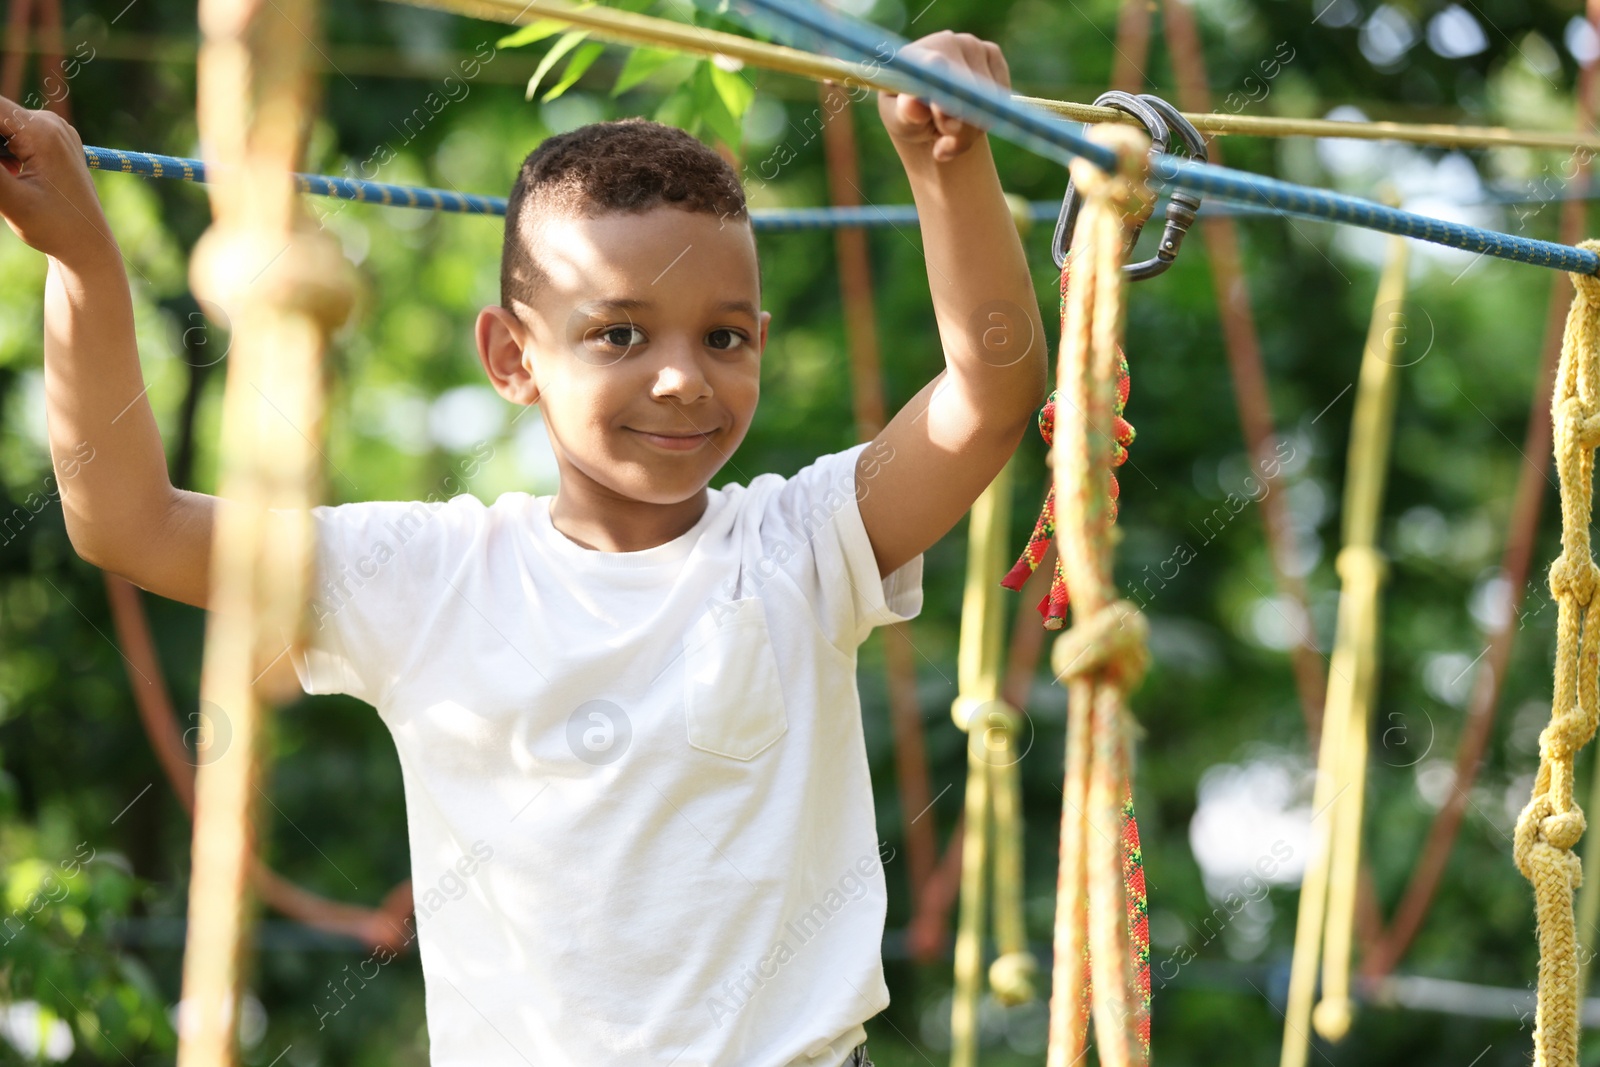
(734,88)
(640,64)
(712,111)
(533,31)
(582,60)
(566,43)
(678,109)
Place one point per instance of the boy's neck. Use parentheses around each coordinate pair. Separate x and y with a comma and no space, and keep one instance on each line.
(624,525)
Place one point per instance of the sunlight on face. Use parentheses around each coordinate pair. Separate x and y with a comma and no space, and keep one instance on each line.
(646,346)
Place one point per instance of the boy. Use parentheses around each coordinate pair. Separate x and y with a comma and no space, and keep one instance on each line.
(640,819)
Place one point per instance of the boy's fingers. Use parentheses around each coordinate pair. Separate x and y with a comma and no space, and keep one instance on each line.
(911,110)
(998,68)
(13,119)
(10,158)
(970,49)
(945,122)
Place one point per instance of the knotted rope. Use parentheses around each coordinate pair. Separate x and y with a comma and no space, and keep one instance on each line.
(993,808)
(286,287)
(992,816)
(1054,605)
(1325,924)
(1099,893)
(1551,824)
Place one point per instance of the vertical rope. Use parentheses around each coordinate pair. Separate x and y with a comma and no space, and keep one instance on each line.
(284,287)
(968,988)
(1012,974)
(866,391)
(52,65)
(1328,889)
(1132,47)
(977,710)
(1362,569)
(1326,919)
(146,678)
(19,13)
(925,928)
(1070,975)
(1515,560)
(1138,916)
(1242,346)
(1552,822)
(1102,656)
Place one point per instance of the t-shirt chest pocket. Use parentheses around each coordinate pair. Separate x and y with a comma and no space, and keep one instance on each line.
(733,698)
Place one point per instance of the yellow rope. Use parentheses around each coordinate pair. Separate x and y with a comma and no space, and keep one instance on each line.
(976,710)
(284,289)
(1362,570)
(1102,657)
(1587,921)
(1552,822)
(993,797)
(1328,891)
(1012,974)
(624,27)
(969,925)
(1442,134)
(1014,969)
(993,806)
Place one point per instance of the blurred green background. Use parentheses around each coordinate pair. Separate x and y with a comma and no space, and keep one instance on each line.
(1223,764)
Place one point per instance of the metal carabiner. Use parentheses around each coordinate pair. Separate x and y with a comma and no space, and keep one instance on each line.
(1182,205)
(1155,125)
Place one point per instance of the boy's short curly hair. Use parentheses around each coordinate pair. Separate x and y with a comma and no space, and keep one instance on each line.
(626,166)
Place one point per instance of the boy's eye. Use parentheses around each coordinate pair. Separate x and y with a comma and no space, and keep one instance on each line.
(724,339)
(621,336)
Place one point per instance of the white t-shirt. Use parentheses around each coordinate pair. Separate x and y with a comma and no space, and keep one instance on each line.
(641,823)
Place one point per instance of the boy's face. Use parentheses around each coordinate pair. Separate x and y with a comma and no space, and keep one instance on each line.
(642,348)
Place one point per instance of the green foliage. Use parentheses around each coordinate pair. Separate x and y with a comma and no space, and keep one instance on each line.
(640,64)
(713,99)
(564,44)
(533,32)
(582,60)
(1220,693)
(58,932)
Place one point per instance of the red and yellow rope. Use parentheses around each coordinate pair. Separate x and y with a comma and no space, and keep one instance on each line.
(1054,605)
(1102,909)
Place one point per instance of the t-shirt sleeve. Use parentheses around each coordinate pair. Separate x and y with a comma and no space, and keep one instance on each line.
(381,571)
(815,519)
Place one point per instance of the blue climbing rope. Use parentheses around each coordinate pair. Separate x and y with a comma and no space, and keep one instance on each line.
(150,165)
(763,220)
(802,24)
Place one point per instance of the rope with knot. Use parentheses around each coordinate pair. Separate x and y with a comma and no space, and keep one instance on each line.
(1325,920)
(1100,911)
(1053,606)
(991,843)
(1551,824)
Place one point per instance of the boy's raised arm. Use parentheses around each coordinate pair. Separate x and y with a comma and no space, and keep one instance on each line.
(946,445)
(122,512)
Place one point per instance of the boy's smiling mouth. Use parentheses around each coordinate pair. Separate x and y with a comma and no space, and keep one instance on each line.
(675,442)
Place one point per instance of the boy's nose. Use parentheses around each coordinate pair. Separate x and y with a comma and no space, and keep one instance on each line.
(679,375)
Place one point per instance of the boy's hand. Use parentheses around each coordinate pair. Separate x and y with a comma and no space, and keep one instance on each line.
(912,121)
(46,194)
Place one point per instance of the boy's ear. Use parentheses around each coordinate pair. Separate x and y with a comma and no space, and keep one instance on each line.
(502,342)
(764,320)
